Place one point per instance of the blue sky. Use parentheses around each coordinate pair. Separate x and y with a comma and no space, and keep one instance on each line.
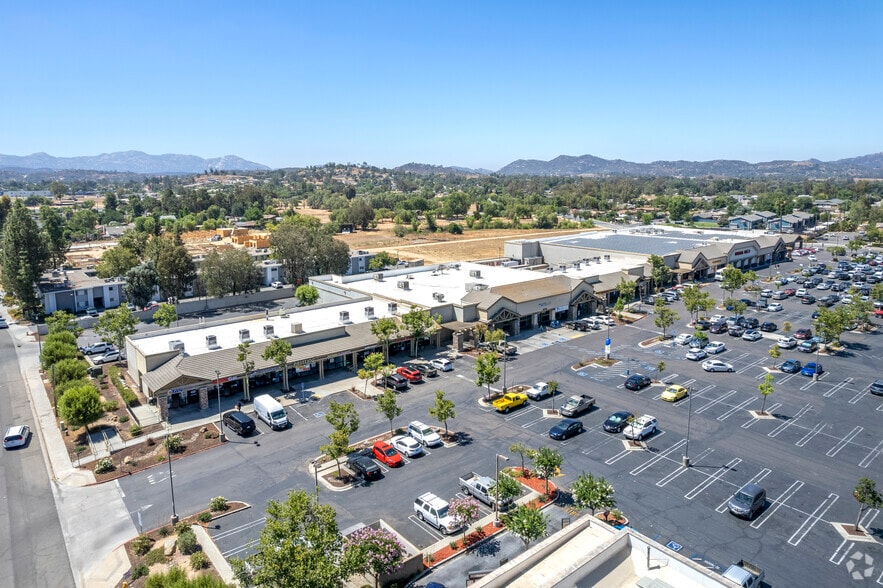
(476,84)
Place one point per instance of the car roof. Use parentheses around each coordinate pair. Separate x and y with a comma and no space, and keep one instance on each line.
(16,430)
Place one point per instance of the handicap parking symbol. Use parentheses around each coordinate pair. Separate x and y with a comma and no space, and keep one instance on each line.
(674,546)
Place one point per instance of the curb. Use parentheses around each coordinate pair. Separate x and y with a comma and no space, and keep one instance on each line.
(214,554)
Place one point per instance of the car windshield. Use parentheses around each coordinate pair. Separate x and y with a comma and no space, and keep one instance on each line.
(615,418)
(443,512)
(427,431)
(742,498)
(278,414)
(390,452)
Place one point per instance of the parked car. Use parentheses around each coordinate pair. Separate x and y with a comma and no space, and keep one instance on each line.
(808,299)
(698,342)
(791,366)
(750,323)
(566,428)
(751,335)
(715,365)
(395,381)
(674,393)
(747,501)
(239,422)
(736,331)
(509,401)
(779,295)
(683,339)
(766,293)
(696,354)
(803,334)
(637,381)
(801,292)
(718,327)
(434,510)
(16,436)
(769,327)
(811,369)
(538,391)
(440,363)
(808,346)
(876,388)
(3,324)
(107,357)
(425,369)
(276,285)
(618,421)
(413,375)
(702,325)
(386,453)
(774,307)
(787,342)
(641,427)
(364,467)
(715,347)
(424,434)
(91,311)
(97,348)
(406,445)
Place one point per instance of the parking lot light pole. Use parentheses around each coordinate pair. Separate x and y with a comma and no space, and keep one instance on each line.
(220,417)
(815,372)
(686,460)
(171,478)
(315,464)
(505,361)
(497,490)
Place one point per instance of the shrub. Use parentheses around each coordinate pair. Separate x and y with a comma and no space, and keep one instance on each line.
(140,571)
(181,527)
(126,393)
(141,544)
(155,556)
(218,503)
(164,532)
(210,434)
(199,561)
(455,229)
(430,557)
(104,466)
(124,418)
(135,430)
(187,542)
(151,442)
(174,443)
(204,517)
(109,406)
(453,545)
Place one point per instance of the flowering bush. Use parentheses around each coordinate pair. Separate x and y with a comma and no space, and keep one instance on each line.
(465,511)
(377,550)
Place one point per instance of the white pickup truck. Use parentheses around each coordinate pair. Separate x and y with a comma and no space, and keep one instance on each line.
(482,487)
(744,574)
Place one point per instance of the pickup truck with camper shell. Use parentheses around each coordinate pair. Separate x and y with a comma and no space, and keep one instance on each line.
(482,488)
(744,574)
(576,405)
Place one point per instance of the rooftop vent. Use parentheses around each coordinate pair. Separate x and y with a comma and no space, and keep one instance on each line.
(297,328)
(392,308)
(268,332)
(474,273)
(211,341)
(438,296)
(378,277)
(176,345)
(344,316)
(403,285)
(369,312)
(244,336)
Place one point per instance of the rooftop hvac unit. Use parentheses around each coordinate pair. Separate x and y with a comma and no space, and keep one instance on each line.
(576,265)
(474,273)
(297,328)
(344,316)
(369,312)
(211,341)
(392,308)
(456,266)
(176,345)
(268,332)
(378,277)
(438,296)
(244,336)
(403,285)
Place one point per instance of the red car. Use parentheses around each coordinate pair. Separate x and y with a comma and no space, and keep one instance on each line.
(789,291)
(803,334)
(386,453)
(410,374)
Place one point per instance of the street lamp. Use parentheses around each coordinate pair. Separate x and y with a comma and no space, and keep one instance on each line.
(220,417)
(171,478)
(686,459)
(505,361)
(315,464)
(497,490)
(815,372)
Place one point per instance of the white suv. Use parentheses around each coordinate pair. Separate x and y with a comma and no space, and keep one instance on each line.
(424,434)
(433,510)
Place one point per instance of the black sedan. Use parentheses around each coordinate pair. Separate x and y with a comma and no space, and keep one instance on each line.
(618,421)
(637,381)
(718,327)
(702,325)
(364,467)
(769,327)
(808,299)
(566,428)
(791,366)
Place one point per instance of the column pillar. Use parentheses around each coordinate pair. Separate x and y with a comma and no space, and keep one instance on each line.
(203,398)
(321,363)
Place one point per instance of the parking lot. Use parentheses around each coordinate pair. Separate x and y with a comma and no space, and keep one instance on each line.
(822,437)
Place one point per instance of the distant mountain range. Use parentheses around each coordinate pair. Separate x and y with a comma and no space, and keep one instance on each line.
(130,161)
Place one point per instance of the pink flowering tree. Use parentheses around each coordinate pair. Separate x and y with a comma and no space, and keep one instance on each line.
(465,511)
(374,551)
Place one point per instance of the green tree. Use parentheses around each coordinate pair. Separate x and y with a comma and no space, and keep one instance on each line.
(592,492)
(373,363)
(279,350)
(522,450)
(388,406)
(115,325)
(300,545)
(625,292)
(775,353)
(338,446)
(679,208)
(526,523)
(547,462)
(57,347)
(506,487)
(659,272)
(419,324)
(306,295)
(57,243)
(696,300)
(165,315)
(141,281)
(231,272)
(80,406)
(61,320)
(243,356)
(830,324)
(116,262)
(175,269)
(733,279)
(344,420)
(385,329)
(68,370)
(23,257)
(868,496)
(305,250)
(765,388)
(443,409)
(381,260)
(664,317)
(487,371)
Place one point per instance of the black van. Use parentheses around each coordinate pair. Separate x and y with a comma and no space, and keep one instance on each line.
(747,501)
(239,422)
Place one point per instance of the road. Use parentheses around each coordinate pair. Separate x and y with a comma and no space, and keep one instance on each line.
(33,550)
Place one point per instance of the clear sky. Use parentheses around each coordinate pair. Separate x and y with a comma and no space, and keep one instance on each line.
(476,84)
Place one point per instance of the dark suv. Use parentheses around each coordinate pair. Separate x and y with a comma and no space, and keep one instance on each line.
(239,422)
(718,327)
(396,382)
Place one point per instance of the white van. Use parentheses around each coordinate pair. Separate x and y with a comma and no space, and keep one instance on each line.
(270,411)
(719,275)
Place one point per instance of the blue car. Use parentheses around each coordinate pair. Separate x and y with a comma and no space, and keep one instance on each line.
(811,369)
(791,366)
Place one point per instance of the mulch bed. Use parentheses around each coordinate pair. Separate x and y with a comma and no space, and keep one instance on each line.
(600,361)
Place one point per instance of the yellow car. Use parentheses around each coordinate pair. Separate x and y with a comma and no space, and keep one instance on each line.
(674,393)
(509,401)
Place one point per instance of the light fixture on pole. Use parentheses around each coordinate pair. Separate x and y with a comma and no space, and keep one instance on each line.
(171,477)
(220,417)
(686,459)
(315,464)
(497,490)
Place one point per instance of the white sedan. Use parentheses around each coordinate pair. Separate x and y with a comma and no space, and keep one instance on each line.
(684,339)
(774,307)
(641,427)
(696,354)
(787,342)
(715,347)
(406,445)
(715,365)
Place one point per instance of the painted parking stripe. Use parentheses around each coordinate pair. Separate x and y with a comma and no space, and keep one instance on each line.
(425,527)
(698,394)
(297,413)
(813,382)
(722,507)
(529,424)
(871,455)
(771,409)
(712,478)
(788,377)
(775,432)
(617,457)
(736,409)
(750,365)
(658,457)
(861,394)
(838,560)
(810,522)
(844,442)
(681,469)
(837,387)
(520,413)
(777,504)
(812,433)
(713,402)
(669,379)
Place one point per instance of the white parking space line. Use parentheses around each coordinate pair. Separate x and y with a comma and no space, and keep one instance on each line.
(751,365)
(712,478)
(775,432)
(698,394)
(736,409)
(871,455)
(713,402)
(617,457)
(837,387)
(812,433)
(425,527)
(810,522)
(845,543)
(529,424)
(291,408)
(788,377)
(844,442)
(669,379)
(777,504)
(681,469)
(688,382)
(812,382)
(239,529)
(658,457)
(589,450)
(755,480)
(753,420)
(520,412)
(861,394)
